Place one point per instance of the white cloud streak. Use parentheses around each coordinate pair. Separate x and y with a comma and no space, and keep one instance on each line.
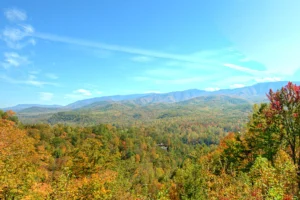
(83,92)
(204,57)
(237,85)
(78,94)
(210,89)
(244,69)
(270,36)
(142,59)
(31,80)
(193,58)
(267,79)
(15,15)
(15,37)
(16,34)
(13,59)
(171,81)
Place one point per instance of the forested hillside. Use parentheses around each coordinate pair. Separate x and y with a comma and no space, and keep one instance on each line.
(212,147)
(145,108)
(128,112)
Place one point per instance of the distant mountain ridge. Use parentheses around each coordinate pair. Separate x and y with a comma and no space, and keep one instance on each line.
(126,112)
(85,102)
(254,90)
(20,107)
(254,93)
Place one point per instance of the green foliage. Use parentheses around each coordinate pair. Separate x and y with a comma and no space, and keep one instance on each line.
(181,151)
(276,126)
(9,115)
(191,182)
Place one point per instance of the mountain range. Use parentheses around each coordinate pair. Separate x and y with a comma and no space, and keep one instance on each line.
(254,93)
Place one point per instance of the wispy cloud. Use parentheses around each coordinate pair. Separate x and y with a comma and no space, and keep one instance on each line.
(31,80)
(176,81)
(237,85)
(267,37)
(184,73)
(203,57)
(197,60)
(267,79)
(141,59)
(18,34)
(204,60)
(16,37)
(46,96)
(13,59)
(15,15)
(244,80)
(83,92)
(243,69)
(79,93)
(211,89)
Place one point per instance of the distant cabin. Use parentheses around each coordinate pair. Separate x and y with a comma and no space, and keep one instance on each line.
(163,146)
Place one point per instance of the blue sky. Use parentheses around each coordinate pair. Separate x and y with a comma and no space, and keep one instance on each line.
(57,52)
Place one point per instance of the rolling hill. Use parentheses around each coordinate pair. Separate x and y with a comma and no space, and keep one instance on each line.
(254,93)
(147,106)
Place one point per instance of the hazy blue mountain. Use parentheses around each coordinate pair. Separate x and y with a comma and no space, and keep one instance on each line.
(259,89)
(151,106)
(85,102)
(20,107)
(109,105)
(129,112)
(170,97)
(38,109)
(214,100)
(255,93)
(135,100)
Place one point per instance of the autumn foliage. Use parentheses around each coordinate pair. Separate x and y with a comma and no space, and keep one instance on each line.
(164,160)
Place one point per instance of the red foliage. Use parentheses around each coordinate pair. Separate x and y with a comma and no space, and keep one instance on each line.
(288,197)
(290,94)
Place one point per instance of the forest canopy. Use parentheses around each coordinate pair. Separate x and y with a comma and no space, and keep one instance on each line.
(171,158)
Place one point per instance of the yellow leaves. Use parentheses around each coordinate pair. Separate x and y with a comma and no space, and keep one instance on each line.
(95,186)
(39,191)
(154,155)
(137,158)
(274,181)
(229,187)
(8,114)
(116,141)
(228,138)
(286,171)
(174,191)
(17,159)
(159,172)
(144,146)
(14,143)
